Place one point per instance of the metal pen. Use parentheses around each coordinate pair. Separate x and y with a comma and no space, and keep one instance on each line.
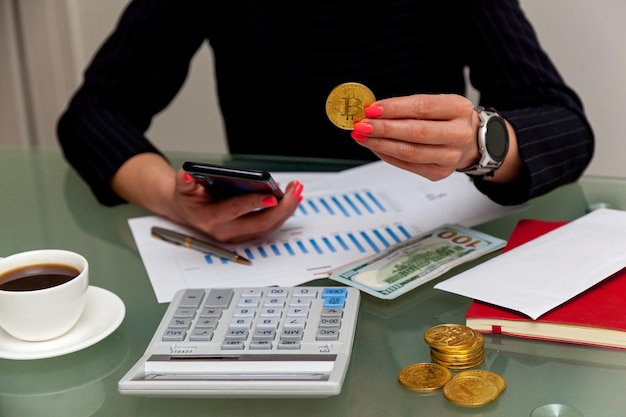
(197,244)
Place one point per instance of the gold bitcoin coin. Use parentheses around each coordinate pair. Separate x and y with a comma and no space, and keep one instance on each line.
(424,377)
(470,391)
(483,373)
(346,103)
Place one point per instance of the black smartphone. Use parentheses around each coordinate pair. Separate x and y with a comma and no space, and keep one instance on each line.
(223,182)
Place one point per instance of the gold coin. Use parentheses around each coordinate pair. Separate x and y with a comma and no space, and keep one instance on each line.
(449,337)
(464,356)
(460,365)
(424,377)
(483,373)
(457,359)
(346,103)
(470,391)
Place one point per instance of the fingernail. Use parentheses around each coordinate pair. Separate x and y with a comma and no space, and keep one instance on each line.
(363,128)
(188,178)
(357,137)
(297,191)
(299,199)
(374,110)
(269,202)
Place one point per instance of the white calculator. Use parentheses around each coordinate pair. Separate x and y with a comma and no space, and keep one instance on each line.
(249,342)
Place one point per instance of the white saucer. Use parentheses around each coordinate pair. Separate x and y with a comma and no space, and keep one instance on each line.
(103,314)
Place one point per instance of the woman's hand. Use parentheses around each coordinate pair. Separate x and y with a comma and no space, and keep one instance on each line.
(237,218)
(430,135)
(150,182)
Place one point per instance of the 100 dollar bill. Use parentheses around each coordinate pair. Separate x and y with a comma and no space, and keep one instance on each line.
(417,260)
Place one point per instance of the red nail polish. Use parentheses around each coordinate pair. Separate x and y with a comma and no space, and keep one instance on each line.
(297,191)
(373,110)
(269,202)
(363,128)
(357,137)
(188,178)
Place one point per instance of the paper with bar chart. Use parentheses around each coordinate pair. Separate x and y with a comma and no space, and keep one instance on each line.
(342,218)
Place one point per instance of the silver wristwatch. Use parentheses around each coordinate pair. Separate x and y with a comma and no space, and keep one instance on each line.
(493,143)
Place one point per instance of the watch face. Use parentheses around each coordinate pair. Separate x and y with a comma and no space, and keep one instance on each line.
(497,139)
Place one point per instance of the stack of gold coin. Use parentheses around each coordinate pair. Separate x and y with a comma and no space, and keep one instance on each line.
(455,346)
(474,388)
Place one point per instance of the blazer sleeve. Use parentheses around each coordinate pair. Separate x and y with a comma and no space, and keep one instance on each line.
(515,75)
(134,75)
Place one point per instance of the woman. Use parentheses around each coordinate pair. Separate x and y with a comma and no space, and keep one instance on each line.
(275,66)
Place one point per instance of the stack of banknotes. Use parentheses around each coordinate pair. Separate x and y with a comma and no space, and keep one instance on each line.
(413,262)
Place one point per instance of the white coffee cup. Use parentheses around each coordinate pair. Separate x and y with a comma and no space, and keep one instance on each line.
(43,313)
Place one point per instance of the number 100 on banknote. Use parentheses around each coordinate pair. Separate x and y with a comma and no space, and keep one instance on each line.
(417,260)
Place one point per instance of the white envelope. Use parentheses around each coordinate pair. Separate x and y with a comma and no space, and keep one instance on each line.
(543,273)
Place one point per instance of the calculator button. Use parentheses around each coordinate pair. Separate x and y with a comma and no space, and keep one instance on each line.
(191,298)
(267,322)
(179,323)
(264,334)
(294,323)
(174,335)
(232,345)
(241,323)
(298,312)
(208,323)
(278,302)
(244,312)
(251,292)
(261,345)
(334,302)
(277,291)
(332,312)
(305,292)
(270,312)
(185,312)
(249,302)
(334,292)
(291,334)
(219,298)
(211,312)
(201,335)
(288,344)
(236,334)
(330,322)
(327,334)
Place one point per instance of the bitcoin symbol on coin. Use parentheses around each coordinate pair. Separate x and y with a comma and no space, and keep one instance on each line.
(346,103)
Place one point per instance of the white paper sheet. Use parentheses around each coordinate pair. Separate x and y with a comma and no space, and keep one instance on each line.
(542,274)
(343,217)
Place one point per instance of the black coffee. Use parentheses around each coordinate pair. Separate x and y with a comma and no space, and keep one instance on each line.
(36,277)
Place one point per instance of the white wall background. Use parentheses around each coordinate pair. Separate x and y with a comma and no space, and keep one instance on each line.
(587,41)
(40,68)
(192,122)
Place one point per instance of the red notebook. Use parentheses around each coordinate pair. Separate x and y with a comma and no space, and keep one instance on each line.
(595,317)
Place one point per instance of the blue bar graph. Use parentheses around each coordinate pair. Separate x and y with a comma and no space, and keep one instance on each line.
(359,241)
(348,205)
